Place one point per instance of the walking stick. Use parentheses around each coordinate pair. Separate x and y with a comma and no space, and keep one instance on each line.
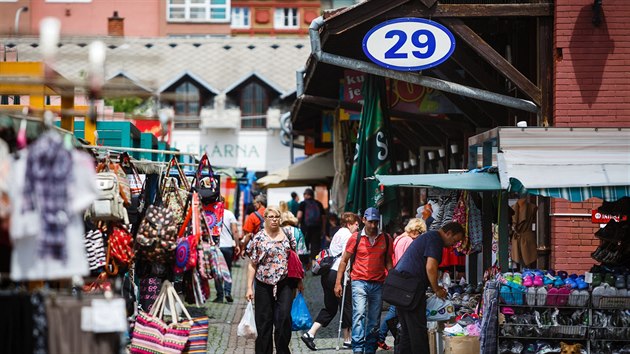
(343,302)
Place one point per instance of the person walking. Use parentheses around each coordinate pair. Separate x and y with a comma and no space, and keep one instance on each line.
(229,244)
(350,225)
(371,255)
(294,203)
(254,221)
(289,223)
(421,260)
(312,220)
(415,227)
(268,269)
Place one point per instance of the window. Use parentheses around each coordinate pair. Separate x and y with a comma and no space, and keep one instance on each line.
(286,18)
(240,17)
(187,106)
(254,104)
(198,10)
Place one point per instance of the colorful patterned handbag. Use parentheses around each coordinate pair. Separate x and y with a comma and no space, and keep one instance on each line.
(186,250)
(152,335)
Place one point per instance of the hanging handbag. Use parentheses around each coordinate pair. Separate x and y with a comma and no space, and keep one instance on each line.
(95,248)
(109,205)
(209,192)
(151,334)
(174,193)
(198,337)
(186,250)
(157,234)
(121,245)
(123,182)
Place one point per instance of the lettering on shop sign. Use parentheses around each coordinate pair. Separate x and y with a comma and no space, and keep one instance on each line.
(233,151)
(381,144)
(408,44)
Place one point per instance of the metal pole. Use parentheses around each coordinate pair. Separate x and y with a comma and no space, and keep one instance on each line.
(343,302)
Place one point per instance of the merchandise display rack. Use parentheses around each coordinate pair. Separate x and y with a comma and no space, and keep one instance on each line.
(593,335)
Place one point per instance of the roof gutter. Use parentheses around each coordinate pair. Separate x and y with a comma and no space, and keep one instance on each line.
(437,84)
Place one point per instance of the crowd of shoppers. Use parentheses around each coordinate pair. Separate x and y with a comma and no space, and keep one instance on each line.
(363,257)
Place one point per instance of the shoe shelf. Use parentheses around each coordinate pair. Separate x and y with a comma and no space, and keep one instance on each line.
(610,333)
(545,306)
(612,303)
(532,331)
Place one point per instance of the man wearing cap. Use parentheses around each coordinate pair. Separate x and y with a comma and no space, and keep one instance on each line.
(370,253)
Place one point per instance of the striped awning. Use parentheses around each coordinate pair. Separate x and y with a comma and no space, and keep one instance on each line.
(574,194)
(571,163)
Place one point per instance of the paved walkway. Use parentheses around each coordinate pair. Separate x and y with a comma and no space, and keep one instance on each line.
(224,319)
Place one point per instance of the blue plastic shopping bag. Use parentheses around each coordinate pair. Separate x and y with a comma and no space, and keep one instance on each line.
(300,316)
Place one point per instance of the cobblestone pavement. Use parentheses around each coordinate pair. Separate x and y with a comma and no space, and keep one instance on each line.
(224,319)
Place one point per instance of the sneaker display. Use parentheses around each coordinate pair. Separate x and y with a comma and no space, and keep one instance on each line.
(541,297)
(309,341)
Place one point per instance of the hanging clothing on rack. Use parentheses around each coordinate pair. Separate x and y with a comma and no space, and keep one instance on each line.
(29,231)
(524,245)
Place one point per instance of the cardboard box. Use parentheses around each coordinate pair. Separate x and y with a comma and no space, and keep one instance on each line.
(461,345)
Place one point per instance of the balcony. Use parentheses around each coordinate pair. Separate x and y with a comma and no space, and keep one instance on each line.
(225,118)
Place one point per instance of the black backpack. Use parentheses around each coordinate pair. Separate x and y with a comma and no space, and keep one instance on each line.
(312,213)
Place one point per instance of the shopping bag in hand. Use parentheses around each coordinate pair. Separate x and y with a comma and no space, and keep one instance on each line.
(247,326)
(300,316)
(439,310)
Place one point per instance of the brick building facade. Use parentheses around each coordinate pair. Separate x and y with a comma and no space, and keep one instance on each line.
(592,89)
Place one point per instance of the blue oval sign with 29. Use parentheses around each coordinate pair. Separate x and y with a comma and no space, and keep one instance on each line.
(408,44)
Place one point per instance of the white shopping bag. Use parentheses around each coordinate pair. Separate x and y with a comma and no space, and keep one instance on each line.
(439,310)
(247,326)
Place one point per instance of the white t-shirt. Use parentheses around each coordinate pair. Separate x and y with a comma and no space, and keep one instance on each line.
(338,245)
(226,239)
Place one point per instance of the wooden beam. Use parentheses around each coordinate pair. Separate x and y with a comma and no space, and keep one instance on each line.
(473,10)
(545,70)
(359,14)
(493,58)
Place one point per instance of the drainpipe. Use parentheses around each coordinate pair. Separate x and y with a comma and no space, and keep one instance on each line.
(299,78)
(17,18)
(440,85)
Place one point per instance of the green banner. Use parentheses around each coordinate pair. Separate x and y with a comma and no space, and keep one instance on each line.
(372,155)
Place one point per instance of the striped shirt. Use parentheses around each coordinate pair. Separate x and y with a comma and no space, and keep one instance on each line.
(369,264)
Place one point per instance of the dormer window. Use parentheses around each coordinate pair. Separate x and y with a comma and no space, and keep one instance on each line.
(254,105)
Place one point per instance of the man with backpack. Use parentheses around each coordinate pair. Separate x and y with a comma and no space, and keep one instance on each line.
(254,221)
(312,221)
(369,253)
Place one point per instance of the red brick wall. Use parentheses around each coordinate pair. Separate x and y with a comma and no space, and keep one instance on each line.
(572,237)
(591,89)
(592,73)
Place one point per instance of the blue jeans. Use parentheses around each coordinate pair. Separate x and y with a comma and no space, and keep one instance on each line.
(366,315)
(219,284)
(391,313)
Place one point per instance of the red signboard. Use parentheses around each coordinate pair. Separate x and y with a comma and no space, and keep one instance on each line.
(599,218)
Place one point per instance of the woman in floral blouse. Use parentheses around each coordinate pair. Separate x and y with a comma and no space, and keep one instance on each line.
(268,267)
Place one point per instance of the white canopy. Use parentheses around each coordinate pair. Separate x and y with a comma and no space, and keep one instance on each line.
(542,158)
(317,168)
